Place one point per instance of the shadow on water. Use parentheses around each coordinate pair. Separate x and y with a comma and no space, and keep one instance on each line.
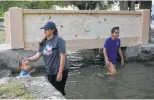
(87,79)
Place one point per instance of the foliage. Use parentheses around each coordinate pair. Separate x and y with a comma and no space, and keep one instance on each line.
(146,4)
(14,90)
(92,5)
(82,5)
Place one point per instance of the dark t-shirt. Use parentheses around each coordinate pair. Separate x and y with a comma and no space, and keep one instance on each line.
(112,47)
(51,54)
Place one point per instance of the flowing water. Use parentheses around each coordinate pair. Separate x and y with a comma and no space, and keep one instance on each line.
(87,79)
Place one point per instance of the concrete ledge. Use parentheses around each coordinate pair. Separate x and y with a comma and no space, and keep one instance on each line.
(78,44)
(39,87)
(98,43)
(9,58)
(4,47)
(44,11)
(143,52)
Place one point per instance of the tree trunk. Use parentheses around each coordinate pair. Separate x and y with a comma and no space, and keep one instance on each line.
(123,5)
(146,5)
(132,5)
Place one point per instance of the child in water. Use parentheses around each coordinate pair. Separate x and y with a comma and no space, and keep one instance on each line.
(25,68)
(111,48)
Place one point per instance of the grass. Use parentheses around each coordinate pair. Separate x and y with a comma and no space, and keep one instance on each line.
(13,91)
(2,36)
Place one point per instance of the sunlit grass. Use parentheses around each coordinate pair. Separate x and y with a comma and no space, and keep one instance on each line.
(14,90)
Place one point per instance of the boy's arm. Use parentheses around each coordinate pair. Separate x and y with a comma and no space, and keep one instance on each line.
(105,54)
(105,50)
(120,53)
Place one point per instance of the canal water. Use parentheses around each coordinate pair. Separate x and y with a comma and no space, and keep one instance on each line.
(87,79)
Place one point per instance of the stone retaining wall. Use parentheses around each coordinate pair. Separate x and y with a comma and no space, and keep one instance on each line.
(39,87)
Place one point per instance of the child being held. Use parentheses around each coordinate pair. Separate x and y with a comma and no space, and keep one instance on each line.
(25,68)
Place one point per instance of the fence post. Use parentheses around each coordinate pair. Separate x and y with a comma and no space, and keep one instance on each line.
(16,28)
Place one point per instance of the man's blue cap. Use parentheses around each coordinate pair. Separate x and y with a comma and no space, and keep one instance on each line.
(49,25)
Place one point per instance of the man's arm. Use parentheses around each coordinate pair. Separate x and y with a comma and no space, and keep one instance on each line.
(120,51)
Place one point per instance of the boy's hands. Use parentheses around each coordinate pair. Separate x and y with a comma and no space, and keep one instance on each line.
(33,70)
(107,62)
(26,68)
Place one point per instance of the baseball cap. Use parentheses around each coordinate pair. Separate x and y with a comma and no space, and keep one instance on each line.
(49,25)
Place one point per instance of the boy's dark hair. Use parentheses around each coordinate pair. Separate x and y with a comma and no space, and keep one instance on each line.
(20,61)
(114,28)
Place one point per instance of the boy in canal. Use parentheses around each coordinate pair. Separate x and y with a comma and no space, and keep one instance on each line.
(111,48)
(25,68)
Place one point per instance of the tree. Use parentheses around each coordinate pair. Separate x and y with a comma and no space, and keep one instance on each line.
(5,5)
(92,5)
(124,5)
(146,4)
(127,5)
(82,5)
(41,4)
